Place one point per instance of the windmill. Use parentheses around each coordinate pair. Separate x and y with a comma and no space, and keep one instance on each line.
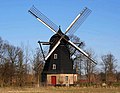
(58,67)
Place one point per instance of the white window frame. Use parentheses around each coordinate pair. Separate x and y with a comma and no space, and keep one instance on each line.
(66,78)
(55,56)
(54,66)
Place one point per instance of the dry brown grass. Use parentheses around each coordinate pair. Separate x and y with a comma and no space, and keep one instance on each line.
(59,90)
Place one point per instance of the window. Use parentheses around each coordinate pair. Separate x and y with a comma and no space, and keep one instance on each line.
(75,78)
(55,56)
(54,66)
(66,78)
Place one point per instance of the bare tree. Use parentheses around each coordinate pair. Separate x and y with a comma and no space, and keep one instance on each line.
(76,55)
(21,72)
(8,62)
(12,55)
(90,67)
(27,62)
(2,52)
(14,64)
(109,66)
(38,65)
(1,47)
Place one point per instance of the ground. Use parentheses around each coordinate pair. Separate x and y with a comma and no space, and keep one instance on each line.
(59,90)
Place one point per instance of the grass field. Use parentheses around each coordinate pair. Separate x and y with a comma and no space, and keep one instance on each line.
(59,90)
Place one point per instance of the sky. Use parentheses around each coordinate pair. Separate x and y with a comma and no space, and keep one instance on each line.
(100,31)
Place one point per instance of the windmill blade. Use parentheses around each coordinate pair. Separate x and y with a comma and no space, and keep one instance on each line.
(43,19)
(53,49)
(78,20)
(75,49)
(84,53)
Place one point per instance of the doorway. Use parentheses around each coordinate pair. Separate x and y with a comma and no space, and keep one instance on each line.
(53,80)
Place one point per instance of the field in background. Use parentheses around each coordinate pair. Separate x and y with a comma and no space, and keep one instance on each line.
(59,90)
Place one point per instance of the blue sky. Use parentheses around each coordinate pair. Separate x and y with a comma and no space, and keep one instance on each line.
(100,31)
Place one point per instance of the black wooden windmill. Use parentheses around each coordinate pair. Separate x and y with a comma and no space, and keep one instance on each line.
(58,68)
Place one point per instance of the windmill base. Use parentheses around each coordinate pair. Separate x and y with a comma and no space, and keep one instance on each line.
(61,79)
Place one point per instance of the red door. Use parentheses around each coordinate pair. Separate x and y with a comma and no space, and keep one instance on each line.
(53,80)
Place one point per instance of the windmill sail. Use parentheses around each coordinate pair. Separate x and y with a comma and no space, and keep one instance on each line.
(42,18)
(75,49)
(78,21)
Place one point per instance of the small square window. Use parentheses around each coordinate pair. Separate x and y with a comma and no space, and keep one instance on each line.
(55,56)
(66,78)
(54,66)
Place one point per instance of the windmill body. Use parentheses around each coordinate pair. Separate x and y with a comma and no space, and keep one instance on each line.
(59,64)
(58,67)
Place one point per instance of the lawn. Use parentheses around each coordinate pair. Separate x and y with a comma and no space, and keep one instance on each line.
(59,90)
